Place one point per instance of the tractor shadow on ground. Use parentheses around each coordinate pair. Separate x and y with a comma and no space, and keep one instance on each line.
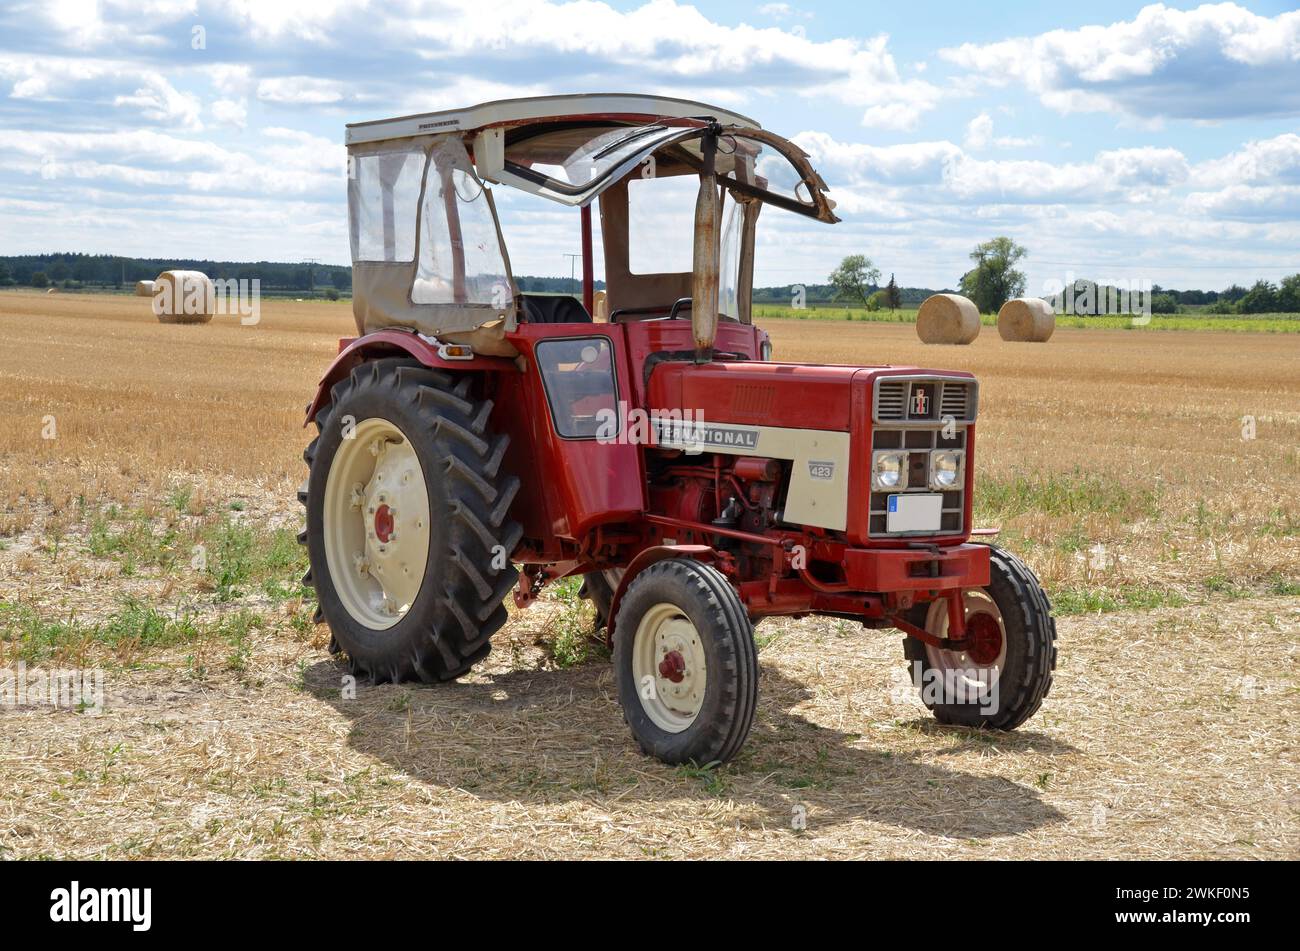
(988,742)
(555,736)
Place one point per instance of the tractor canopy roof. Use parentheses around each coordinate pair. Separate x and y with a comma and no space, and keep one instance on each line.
(427,248)
(505,113)
(572,148)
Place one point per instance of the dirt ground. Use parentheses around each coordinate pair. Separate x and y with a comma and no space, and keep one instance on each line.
(1119,463)
(1142,751)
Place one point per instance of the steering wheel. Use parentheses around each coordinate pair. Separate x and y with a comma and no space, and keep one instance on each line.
(684,302)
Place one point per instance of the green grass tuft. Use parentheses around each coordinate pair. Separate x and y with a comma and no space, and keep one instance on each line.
(1081,600)
(34,638)
(1075,494)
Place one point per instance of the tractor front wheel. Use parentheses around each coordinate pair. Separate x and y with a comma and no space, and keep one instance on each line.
(1001,678)
(685,663)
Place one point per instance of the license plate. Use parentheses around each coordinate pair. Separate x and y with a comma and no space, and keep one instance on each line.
(914,513)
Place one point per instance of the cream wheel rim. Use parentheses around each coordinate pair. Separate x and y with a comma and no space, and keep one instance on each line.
(376,523)
(975,675)
(669,667)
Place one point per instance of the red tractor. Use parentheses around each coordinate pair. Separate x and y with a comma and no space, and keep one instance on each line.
(476,441)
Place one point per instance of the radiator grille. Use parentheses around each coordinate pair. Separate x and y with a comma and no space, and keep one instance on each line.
(891,399)
(953,401)
(956,398)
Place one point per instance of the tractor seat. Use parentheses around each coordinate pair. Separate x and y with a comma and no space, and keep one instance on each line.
(552,309)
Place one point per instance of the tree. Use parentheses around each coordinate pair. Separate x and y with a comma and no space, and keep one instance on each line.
(5,279)
(994,280)
(1260,299)
(1288,295)
(893,297)
(876,301)
(1163,304)
(39,279)
(854,277)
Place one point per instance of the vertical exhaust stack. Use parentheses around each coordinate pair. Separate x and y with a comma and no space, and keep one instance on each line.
(704,289)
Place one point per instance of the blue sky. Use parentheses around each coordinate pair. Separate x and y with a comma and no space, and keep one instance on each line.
(1114,140)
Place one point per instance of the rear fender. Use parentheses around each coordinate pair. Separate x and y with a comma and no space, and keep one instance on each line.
(389,343)
(645,559)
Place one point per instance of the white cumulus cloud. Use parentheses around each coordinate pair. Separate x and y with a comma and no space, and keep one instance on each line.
(1213,62)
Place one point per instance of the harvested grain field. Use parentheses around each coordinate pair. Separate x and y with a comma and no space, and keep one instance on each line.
(146,528)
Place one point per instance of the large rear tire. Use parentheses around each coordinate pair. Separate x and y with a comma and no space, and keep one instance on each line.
(1001,681)
(685,663)
(408,527)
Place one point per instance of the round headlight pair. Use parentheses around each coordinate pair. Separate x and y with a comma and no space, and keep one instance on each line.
(945,469)
(889,471)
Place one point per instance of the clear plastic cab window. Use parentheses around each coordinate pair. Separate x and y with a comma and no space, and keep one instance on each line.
(661,224)
(383,198)
(461,260)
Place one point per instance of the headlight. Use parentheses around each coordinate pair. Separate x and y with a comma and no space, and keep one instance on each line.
(889,470)
(945,469)
(765,351)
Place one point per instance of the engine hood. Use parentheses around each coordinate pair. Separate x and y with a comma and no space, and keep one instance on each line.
(788,395)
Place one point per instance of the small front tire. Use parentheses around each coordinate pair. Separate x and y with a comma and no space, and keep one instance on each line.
(685,662)
(1000,682)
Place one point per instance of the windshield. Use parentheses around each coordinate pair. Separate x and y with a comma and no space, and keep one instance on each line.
(577,157)
(572,165)
(772,170)
(575,163)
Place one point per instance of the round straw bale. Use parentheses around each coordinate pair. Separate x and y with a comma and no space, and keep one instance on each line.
(184,297)
(145,288)
(947,318)
(1026,319)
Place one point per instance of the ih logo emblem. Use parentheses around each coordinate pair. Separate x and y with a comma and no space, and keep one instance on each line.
(922,401)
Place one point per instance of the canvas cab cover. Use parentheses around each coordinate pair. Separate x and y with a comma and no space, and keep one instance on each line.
(426,243)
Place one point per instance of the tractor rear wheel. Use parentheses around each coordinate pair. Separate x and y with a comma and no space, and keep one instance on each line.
(408,528)
(1000,681)
(685,663)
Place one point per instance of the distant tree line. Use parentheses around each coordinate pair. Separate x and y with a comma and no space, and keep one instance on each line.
(992,281)
(1264,297)
(552,285)
(1087,298)
(827,294)
(995,279)
(92,271)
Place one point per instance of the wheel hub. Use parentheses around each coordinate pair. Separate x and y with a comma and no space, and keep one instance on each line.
(984,635)
(384,524)
(672,667)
